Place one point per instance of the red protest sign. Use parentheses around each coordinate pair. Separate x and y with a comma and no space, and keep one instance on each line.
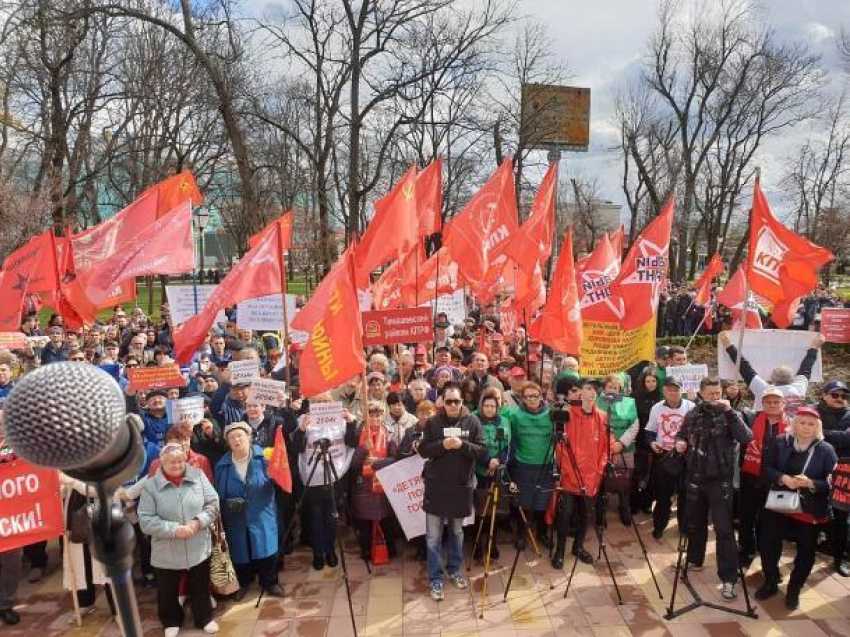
(413,325)
(30,508)
(835,324)
(13,340)
(839,497)
(147,378)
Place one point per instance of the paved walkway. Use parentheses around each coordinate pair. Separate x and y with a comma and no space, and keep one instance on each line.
(393,601)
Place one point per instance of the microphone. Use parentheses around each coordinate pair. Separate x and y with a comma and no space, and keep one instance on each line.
(72,417)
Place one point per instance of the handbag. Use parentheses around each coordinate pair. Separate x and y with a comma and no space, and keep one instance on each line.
(222,574)
(380,552)
(784,501)
(621,477)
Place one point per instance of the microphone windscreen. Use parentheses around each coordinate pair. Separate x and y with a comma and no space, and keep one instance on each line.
(64,416)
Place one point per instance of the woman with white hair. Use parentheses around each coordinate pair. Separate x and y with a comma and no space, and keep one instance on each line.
(802,461)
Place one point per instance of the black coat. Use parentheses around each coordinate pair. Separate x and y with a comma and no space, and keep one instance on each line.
(449,475)
(834,419)
(819,470)
(711,435)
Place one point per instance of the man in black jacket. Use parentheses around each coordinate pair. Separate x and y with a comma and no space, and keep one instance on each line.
(835,416)
(708,435)
(451,443)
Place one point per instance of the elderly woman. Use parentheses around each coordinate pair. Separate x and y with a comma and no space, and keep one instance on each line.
(177,508)
(802,461)
(248,511)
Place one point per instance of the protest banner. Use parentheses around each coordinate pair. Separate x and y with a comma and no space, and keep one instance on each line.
(243,372)
(454,305)
(190,410)
(326,414)
(835,324)
(266,391)
(327,422)
(607,348)
(13,340)
(181,302)
(390,327)
(839,496)
(405,489)
(30,507)
(147,378)
(264,313)
(689,375)
(768,349)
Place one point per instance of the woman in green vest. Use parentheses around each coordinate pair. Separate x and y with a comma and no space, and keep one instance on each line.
(623,417)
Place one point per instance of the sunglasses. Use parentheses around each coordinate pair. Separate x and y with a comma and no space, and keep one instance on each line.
(838,395)
(453,401)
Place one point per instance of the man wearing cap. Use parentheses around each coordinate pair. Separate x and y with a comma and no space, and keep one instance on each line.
(232,408)
(835,416)
(770,422)
(517,378)
(154,416)
(665,420)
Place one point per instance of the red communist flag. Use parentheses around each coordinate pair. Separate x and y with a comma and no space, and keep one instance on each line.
(396,286)
(594,276)
(644,271)
(25,266)
(782,264)
(429,198)
(713,269)
(438,275)
(532,243)
(559,323)
(394,229)
(477,235)
(279,469)
(285,223)
(333,352)
(616,239)
(258,273)
(732,296)
(175,190)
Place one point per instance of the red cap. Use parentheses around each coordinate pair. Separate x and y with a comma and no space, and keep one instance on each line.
(420,350)
(516,372)
(296,347)
(806,410)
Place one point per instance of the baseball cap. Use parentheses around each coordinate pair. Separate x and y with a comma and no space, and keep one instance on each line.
(808,410)
(244,426)
(590,381)
(772,390)
(671,381)
(517,372)
(834,385)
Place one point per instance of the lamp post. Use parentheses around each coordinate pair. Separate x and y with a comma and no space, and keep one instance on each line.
(202,219)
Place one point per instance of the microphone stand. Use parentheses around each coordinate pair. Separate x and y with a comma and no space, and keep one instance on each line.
(112,544)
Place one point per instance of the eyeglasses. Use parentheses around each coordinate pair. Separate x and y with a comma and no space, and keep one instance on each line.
(838,395)
(532,396)
(78,359)
(453,401)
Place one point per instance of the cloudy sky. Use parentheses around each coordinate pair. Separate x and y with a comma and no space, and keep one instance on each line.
(602,41)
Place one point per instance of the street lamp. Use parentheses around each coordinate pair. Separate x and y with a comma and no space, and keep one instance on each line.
(202,219)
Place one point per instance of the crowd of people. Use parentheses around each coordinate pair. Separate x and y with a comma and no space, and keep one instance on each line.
(477,405)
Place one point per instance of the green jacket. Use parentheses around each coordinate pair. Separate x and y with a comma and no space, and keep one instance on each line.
(621,415)
(495,449)
(531,435)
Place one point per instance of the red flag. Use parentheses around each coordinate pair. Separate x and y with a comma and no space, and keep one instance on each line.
(279,470)
(532,244)
(713,269)
(258,273)
(478,234)
(784,311)
(782,264)
(429,198)
(644,271)
(732,296)
(333,352)
(616,239)
(440,271)
(174,191)
(25,266)
(559,324)
(165,247)
(397,285)
(394,229)
(285,223)
(595,274)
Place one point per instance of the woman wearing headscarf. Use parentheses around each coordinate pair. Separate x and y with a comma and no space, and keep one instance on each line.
(177,508)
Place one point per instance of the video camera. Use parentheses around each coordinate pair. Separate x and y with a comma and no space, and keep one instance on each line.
(560,413)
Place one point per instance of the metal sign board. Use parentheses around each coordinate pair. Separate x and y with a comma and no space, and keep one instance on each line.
(556,116)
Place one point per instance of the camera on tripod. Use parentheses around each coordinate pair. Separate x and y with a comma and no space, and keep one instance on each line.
(322,444)
(560,413)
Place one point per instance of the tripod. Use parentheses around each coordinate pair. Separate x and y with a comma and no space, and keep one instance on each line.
(330,478)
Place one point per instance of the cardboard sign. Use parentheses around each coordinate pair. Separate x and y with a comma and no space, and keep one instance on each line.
(13,340)
(835,324)
(181,302)
(689,375)
(147,378)
(243,372)
(767,349)
(265,391)
(326,415)
(389,327)
(839,496)
(30,507)
(190,410)
(454,305)
(264,313)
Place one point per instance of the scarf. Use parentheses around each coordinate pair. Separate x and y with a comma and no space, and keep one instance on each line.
(375,442)
(753,456)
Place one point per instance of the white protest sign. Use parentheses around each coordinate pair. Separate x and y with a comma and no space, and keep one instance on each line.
(190,410)
(454,305)
(689,375)
(264,312)
(265,391)
(326,415)
(181,302)
(405,489)
(767,349)
(243,372)
(326,422)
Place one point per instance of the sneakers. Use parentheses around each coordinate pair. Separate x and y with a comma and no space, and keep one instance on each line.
(173,631)
(458,580)
(35,575)
(728,591)
(437,591)
(10,617)
(212,627)
(331,559)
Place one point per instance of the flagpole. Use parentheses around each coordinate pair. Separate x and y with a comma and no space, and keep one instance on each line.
(705,315)
(436,291)
(286,372)
(746,308)
(194,261)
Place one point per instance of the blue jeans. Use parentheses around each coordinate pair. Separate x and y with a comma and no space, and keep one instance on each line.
(434,540)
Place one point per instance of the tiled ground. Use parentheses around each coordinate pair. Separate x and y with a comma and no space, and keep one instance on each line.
(392,601)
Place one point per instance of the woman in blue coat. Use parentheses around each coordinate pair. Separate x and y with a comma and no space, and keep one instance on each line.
(248,511)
